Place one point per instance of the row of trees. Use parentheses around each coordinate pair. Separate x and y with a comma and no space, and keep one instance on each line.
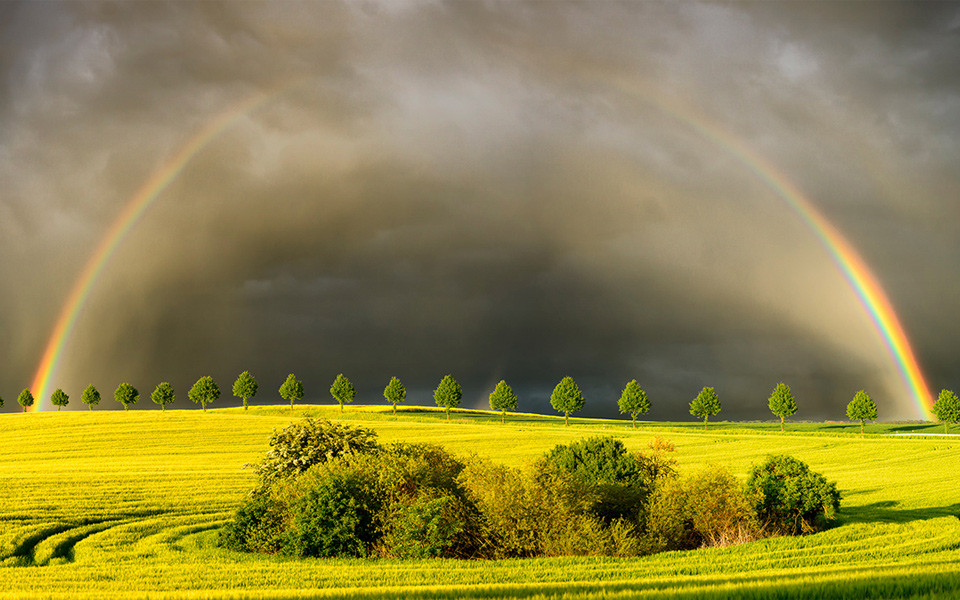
(566,398)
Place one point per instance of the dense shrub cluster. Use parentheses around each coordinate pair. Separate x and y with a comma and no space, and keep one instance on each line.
(331,490)
(790,498)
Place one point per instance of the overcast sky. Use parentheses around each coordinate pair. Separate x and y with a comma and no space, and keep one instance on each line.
(492,190)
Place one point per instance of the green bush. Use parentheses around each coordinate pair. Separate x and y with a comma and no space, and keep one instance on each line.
(709,508)
(543,511)
(595,460)
(258,526)
(790,498)
(335,515)
(426,510)
(616,478)
(425,527)
(308,442)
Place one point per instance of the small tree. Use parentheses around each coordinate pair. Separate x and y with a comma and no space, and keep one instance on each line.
(790,498)
(163,395)
(781,403)
(245,387)
(25,399)
(126,395)
(633,400)
(567,398)
(59,399)
(448,394)
(947,409)
(1,402)
(90,396)
(705,405)
(861,408)
(204,391)
(503,399)
(395,393)
(292,389)
(342,391)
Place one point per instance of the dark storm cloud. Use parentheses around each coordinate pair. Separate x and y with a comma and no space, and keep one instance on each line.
(492,190)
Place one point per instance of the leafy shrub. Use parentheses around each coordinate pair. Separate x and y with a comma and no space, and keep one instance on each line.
(425,527)
(595,460)
(426,510)
(258,525)
(402,500)
(615,477)
(655,466)
(790,498)
(709,508)
(335,515)
(308,442)
(543,511)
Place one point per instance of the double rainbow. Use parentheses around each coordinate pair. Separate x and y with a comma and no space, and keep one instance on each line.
(858,275)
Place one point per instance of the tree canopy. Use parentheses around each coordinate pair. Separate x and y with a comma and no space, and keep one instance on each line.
(292,389)
(204,391)
(163,395)
(503,399)
(90,396)
(448,394)
(395,393)
(781,403)
(245,387)
(25,399)
(59,399)
(862,408)
(567,398)
(633,400)
(342,391)
(126,395)
(947,409)
(705,405)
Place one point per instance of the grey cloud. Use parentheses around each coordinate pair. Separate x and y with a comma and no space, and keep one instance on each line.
(492,190)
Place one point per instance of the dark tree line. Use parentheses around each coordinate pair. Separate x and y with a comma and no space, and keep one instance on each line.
(566,398)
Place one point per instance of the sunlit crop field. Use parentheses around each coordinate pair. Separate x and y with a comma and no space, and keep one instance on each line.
(126,505)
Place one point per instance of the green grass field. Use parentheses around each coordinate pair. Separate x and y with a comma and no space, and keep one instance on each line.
(126,505)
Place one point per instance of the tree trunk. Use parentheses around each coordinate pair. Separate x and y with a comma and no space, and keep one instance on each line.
(163,408)
(861,427)
(341,408)
(634,422)
(58,408)
(91,406)
(705,423)
(945,425)
(566,419)
(394,408)
(448,413)
(503,416)
(125,407)
(781,424)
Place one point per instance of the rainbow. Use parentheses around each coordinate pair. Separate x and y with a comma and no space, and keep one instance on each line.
(858,275)
(121,226)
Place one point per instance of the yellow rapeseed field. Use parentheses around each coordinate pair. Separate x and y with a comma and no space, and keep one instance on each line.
(126,505)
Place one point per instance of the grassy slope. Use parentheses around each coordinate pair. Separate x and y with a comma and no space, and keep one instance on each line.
(114,504)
